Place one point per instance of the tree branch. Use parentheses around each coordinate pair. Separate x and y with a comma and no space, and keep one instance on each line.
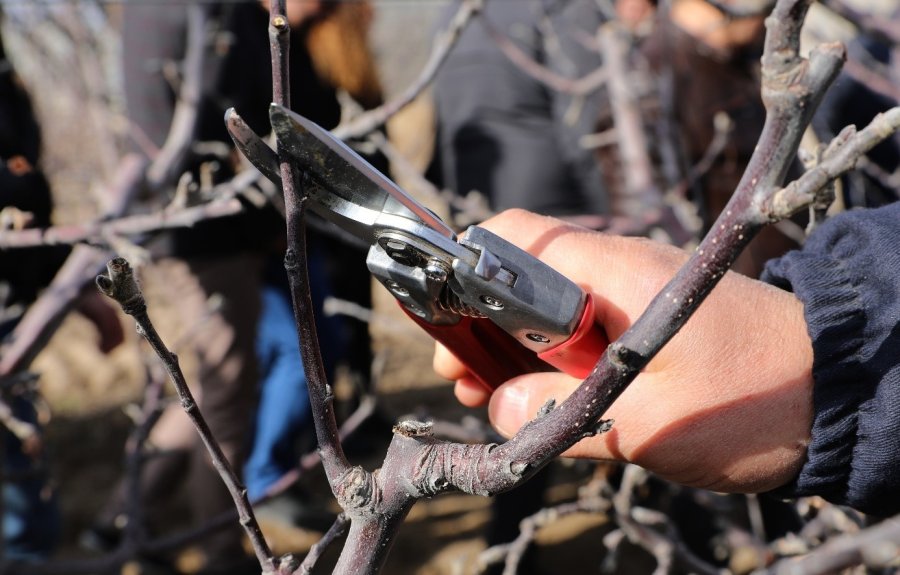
(122,286)
(557,82)
(321,398)
(337,530)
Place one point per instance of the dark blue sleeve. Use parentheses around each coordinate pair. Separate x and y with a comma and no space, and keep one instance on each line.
(848,278)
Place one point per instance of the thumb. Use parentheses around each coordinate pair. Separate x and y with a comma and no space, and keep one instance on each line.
(518,401)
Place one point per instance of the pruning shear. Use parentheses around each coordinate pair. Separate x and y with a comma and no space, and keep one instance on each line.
(498,309)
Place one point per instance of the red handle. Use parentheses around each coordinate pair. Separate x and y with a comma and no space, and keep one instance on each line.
(493,356)
(578,354)
(490,354)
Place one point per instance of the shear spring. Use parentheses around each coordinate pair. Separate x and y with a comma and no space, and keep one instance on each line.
(449,301)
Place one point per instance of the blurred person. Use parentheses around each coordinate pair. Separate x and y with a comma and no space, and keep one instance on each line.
(228,256)
(508,135)
(31,516)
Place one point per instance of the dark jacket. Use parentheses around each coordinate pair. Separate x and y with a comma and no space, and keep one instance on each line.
(22,185)
(509,136)
(848,278)
(237,74)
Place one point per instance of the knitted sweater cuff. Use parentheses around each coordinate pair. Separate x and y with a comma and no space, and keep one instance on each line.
(846,278)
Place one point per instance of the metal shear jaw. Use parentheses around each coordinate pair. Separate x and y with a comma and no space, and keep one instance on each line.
(358,190)
(491,303)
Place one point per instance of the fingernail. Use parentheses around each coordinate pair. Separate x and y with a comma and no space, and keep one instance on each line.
(508,409)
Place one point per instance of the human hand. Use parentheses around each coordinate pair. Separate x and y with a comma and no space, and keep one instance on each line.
(714,28)
(727,403)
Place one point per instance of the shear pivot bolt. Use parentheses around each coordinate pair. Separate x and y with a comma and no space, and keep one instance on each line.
(436,271)
(492,302)
(538,338)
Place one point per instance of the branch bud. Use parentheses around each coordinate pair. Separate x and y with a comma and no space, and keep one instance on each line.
(122,286)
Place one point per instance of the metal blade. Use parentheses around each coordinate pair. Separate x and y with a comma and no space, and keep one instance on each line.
(352,192)
(252,146)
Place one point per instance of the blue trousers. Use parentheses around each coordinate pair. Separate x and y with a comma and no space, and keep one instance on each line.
(31,519)
(283,413)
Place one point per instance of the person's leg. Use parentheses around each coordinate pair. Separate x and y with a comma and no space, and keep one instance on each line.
(31,521)
(283,409)
(228,376)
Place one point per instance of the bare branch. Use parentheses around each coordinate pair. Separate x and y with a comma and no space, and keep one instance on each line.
(640,194)
(876,547)
(337,468)
(573,86)
(122,286)
(840,157)
(96,232)
(337,530)
(666,548)
(169,162)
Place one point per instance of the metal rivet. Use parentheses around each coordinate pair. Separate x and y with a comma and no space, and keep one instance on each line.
(492,302)
(397,288)
(538,338)
(415,309)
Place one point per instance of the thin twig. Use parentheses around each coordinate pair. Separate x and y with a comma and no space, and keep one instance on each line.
(295,202)
(373,119)
(337,530)
(122,286)
(876,547)
(573,86)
